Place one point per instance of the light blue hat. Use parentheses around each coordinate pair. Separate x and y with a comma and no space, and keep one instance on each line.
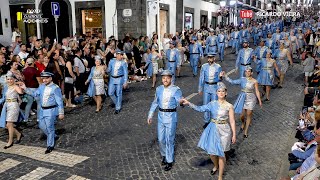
(166,73)
(221,85)
(46,74)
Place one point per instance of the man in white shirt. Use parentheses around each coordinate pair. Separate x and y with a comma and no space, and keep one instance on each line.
(23,54)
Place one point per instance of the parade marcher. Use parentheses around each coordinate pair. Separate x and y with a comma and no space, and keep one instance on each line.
(300,37)
(247,99)
(255,31)
(10,110)
(96,82)
(236,41)
(172,56)
(118,72)
(210,75)
(231,38)
(264,31)
(211,43)
(284,32)
(244,58)
(196,52)
(266,72)
(51,105)
(277,36)
(261,51)
(167,98)
(217,136)
(282,55)
(152,65)
(271,43)
(181,58)
(294,44)
(244,34)
(221,45)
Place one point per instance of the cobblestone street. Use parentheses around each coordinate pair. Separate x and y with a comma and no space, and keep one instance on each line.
(107,146)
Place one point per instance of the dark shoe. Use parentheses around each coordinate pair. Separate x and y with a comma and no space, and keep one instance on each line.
(213,171)
(205,125)
(279,87)
(245,136)
(6,147)
(19,140)
(164,162)
(168,167)
(49,150)
(241,130)
(117,112)
(194,75)
(112,105)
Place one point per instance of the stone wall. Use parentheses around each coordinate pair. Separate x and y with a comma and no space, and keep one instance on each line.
(136,25)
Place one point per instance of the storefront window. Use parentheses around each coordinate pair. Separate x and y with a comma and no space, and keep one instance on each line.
(188,20)
(91,21)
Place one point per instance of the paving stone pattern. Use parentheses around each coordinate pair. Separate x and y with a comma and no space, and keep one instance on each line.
(124,147)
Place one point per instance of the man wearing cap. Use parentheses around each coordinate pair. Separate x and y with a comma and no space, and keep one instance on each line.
(195,50)
(167,98)
(210,75)
(51,105)
(244,57)
(118,72)
(211,43)
(221,40)
(244,34)
(172,55)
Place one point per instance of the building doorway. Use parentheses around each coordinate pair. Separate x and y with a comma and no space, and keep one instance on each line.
(204,21)
(163,23)
(214,22)
(64,24)
(91,21)
(26,29)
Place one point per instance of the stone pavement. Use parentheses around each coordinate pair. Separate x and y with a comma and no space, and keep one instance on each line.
(124,147)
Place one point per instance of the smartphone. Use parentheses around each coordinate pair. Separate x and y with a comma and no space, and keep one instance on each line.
(304,110)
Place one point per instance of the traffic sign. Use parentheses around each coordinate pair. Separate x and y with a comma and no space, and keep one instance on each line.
(55,8)
(246,14)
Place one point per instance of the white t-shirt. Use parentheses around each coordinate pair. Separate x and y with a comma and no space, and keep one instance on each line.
(79,64)
(23,55)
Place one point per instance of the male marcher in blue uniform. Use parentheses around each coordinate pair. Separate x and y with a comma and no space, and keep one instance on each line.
(167,98)
(210,75)
(255,35)
(118,71)
(236,40)
(244,58)
(244,34)
(211,43)
(195,50)
(172,55)
(51,105)
(264,31)
(221,44)
(284,32)
(277,36)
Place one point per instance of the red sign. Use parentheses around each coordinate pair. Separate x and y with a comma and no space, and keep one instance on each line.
(246,14)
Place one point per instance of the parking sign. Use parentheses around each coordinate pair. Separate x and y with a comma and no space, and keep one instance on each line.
(55,8)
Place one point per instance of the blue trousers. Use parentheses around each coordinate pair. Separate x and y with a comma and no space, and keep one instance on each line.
(221,51)
(46,124)
(255,39)
(194,59)
(115,93)
(166,136)
(208,97)
(236,46)
(172,67)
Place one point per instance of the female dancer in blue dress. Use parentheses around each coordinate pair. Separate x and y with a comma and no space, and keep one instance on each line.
(266,76)
(217,136)
(247,98)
